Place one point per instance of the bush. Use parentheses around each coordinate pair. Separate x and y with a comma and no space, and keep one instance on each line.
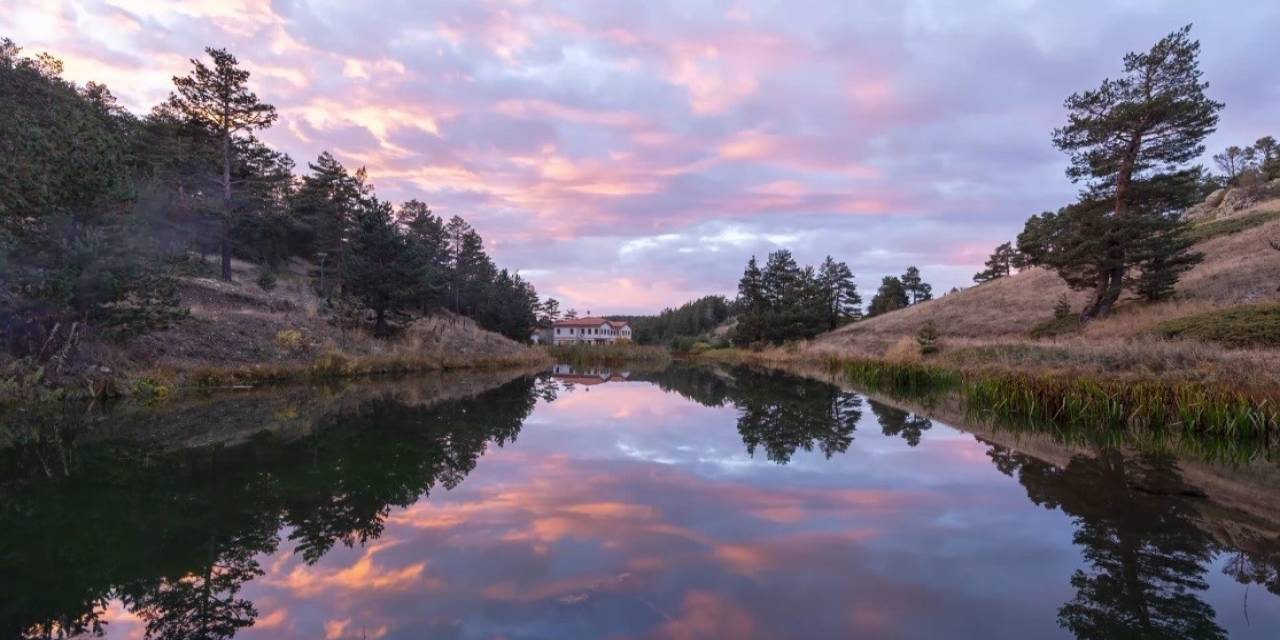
(1227,226)
(290,340)
(266,280)
(683,344)
(1057,326)
(1236,327)
(1062,310)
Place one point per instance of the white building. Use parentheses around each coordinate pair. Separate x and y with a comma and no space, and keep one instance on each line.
(590,331)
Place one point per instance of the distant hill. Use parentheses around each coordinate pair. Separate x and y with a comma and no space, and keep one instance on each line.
(1239,267)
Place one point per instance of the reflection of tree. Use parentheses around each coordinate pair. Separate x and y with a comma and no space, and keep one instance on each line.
(777,411)
(1147,558)
(175,536)
(785,413)
(1256,566)
(896,422)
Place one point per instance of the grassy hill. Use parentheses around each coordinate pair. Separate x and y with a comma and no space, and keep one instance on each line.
(238,334)
(991,325)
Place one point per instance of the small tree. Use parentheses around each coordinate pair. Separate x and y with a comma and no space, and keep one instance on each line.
(927,337)
(1062,309)
(1001,263)
(218,98)
(1231,161)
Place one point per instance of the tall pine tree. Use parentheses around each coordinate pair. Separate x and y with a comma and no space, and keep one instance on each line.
(219,99)
(1126,139)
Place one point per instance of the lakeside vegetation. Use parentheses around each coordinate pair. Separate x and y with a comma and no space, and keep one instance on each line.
(109,216)
(608,355)
(1067,402)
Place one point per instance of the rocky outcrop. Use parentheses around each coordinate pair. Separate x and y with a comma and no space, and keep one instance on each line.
(1223,203)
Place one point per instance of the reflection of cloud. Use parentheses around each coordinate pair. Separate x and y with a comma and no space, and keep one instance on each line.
(706,615)
(364,574)
(271,620)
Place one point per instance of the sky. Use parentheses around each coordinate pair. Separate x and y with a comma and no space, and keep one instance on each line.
(628,156)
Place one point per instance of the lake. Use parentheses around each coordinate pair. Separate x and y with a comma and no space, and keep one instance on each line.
(682,503)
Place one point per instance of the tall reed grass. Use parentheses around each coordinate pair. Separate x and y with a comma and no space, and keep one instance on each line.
(608,355)
(1098,403)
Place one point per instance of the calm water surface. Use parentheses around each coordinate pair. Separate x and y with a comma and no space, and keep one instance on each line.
(684,504)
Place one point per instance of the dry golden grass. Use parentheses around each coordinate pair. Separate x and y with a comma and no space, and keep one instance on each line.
(904,350)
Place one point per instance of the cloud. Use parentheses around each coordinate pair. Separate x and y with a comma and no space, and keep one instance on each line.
(570,134)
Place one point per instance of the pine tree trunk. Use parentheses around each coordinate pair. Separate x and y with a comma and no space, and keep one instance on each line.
(225,244)
(1111,280)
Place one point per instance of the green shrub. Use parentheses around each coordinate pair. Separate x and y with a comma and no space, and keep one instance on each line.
(1062,309)
(1227,226)
(1056,327)
(683,344)
(266,280)
(927,336)
(1243,326)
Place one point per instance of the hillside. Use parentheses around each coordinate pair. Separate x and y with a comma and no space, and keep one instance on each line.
(237,333)
(990,324)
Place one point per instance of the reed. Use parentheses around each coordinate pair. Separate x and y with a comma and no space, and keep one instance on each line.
(1118,405)
(608,355)
(896,377)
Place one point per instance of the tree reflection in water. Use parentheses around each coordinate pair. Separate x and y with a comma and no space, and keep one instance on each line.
(897,422)
(175,536)
(1138,531)
(778,412)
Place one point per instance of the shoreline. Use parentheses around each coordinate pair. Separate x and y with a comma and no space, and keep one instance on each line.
(1096,402)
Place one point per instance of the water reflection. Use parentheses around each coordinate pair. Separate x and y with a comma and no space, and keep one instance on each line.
(175,537)
(622,512)
(1146,555)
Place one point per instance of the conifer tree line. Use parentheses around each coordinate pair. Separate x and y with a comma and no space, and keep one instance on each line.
(783,301)
(1130,142)
(101,209)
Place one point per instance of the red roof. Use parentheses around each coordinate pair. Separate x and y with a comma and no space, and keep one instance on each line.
(588,322)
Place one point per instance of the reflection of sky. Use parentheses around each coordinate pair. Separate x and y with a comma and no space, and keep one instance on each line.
(621,511)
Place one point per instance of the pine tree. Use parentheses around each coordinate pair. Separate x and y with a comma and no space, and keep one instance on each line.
(917,289)
(751,304)
(426,235)
(927,337)
(381,270)
(844,305)
(218,98)
(1125,139)
(325,205)
(1002,263)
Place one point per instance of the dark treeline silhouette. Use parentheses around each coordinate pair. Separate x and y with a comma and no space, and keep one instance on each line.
(174,535)
(101,209)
